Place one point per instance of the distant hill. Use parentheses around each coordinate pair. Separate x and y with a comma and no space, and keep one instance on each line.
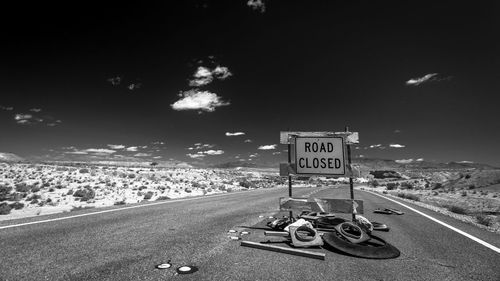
(9,157)
(371,164)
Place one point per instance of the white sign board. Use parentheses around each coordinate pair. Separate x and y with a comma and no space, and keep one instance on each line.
(320,156)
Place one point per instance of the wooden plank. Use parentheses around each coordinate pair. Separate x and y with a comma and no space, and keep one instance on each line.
(337,206)
(298,204)
(276,233)
(291,251)
(351,137)
(329,205)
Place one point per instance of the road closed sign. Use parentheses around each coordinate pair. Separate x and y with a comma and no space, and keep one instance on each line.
(320,156)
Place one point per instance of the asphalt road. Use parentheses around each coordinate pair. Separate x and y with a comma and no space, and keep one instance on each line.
(127,243)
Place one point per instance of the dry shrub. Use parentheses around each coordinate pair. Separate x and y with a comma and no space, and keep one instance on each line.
(409,196)
(484,219)
(457,209)
(5,209)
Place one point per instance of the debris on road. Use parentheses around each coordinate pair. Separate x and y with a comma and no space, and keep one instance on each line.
(298,252)
(388,211)
(186,269)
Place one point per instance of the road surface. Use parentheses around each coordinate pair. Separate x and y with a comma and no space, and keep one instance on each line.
(125,243)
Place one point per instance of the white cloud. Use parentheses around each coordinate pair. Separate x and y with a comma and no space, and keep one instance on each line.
(195,155)
(276,153)
(466,162)
(201,154)
(198,100)
(8,108)
(228,134)
(404,161)
(267,147)
(157,157)
(158,143)
(257,5)
(115,81)
(420,80)
(79,152)
(116,146)
(395,145)
(200,145)
(25,119)
(140,154)
(213,152)
(134,86)
(144,146)
(23,116)
(248,140)
(419,159)
(254,155)
(204,76)
(397,131)
(100,150)
(221,72)
(375,146)
(131,148)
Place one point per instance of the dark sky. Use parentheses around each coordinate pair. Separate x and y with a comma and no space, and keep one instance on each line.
(420,75)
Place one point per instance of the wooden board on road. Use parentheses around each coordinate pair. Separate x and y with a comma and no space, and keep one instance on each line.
(297,252)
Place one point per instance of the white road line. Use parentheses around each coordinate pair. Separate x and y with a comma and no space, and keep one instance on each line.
(114,210)
(486,244)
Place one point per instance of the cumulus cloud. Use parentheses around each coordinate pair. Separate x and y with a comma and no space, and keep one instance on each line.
(23,116)
(228,134)
(195,156)
(100,150)
(254,155)
(404,161)
(395,145)
(397,131)
(134,86)
(116,146)
(213,152)
(8,108)
(257,5)
(221,72)
(115,81)
(140,154)
(35,109)
(375,146)
(248,140)
(158,143)
(131,148)
(200,145)
(204,75)
(25,119)
(157,157)
(201,154)
(466,162)
(198,100)
(419,159)
(267,147)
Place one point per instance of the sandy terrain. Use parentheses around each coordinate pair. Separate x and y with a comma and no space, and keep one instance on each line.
(44,189)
